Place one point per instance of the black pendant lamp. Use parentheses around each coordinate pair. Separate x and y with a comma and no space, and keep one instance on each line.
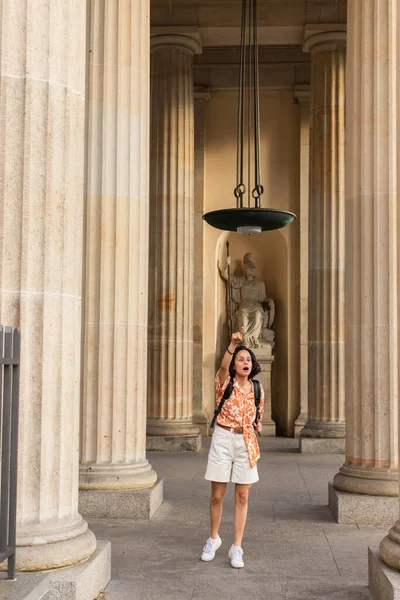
(252,218)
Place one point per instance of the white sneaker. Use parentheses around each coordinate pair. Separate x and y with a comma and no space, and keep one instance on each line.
(236,554)
(210,548)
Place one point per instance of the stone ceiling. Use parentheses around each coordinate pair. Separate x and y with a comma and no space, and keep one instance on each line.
(216,23)
(280,22)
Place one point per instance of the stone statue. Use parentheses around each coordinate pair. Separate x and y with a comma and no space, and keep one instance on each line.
(251,308)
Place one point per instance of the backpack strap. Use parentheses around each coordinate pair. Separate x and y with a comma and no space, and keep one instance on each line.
(257,399)
(227,393)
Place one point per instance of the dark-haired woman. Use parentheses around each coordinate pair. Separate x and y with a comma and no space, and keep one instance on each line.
(234,448)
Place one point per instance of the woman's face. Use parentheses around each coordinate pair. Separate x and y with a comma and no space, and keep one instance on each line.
(243,363)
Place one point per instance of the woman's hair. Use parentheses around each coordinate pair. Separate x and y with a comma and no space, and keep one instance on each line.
(255,366)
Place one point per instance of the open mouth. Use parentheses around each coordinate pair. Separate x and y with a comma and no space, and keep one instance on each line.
(245,368)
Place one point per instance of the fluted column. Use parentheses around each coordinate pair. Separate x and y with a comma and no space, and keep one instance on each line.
(302,95)
(325,427)
(42,110)
(201,98)
(170,372)
(113,434)
(372,273)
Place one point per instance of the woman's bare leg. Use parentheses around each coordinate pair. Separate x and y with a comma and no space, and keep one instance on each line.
(216,501)
(240,515)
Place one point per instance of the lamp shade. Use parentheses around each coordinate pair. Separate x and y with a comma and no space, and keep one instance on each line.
(249,220)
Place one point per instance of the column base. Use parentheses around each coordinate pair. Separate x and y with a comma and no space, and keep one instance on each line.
(116,476)
(322,445)
(137,504)
(171,427)
(368,481)
(201,421)
(362,509)
(174,443)
(75,583)
(383,581)
(389,548)
(324,429)
(268,428)
(299,424)
(66,547)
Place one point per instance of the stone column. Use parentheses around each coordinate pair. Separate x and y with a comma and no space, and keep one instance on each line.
(113,433)
(365,488)
(42,111)
(201,97)
(383,64)
(170,374)
(325,427)
(302,95)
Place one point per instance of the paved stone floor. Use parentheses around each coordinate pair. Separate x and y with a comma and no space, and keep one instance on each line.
(293,549)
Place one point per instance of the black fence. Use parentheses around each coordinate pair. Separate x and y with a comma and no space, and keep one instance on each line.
(9,400)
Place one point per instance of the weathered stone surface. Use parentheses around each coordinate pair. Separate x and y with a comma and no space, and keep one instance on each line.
(27,586)
(85,581)
(61,553)
(121,504)
(172,443)
(268,429)
(372,267)
(42,139)
(326,326)
(384,583)
(171,241)
(362,508)
(80,582)
(322,445)
(113,424)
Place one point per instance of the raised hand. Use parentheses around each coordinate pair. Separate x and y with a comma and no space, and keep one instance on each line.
(237,337)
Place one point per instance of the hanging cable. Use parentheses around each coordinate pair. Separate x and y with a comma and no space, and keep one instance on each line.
(249,219)
(240,187)
(249,84)
(258,188)
(248,74)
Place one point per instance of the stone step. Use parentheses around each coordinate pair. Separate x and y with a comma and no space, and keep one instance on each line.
(27,586)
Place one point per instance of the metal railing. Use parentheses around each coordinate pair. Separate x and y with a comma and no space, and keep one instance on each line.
(9,399)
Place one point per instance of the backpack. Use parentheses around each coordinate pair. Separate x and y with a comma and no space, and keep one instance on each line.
(228,392)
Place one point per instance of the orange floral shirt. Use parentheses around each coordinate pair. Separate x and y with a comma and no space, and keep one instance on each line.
(239,410)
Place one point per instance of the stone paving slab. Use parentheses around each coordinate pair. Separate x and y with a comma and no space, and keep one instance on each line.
(27,585)
(322,591)
(293,549)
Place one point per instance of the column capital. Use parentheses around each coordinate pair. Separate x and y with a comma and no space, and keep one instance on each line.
(186,38)
(302,93)
(324,37)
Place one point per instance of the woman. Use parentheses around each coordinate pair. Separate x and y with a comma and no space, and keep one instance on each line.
(234,448)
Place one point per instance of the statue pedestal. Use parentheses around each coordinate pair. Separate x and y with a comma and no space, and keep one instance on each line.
(265,359)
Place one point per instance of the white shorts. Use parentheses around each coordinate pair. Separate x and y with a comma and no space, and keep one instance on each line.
(228,459)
